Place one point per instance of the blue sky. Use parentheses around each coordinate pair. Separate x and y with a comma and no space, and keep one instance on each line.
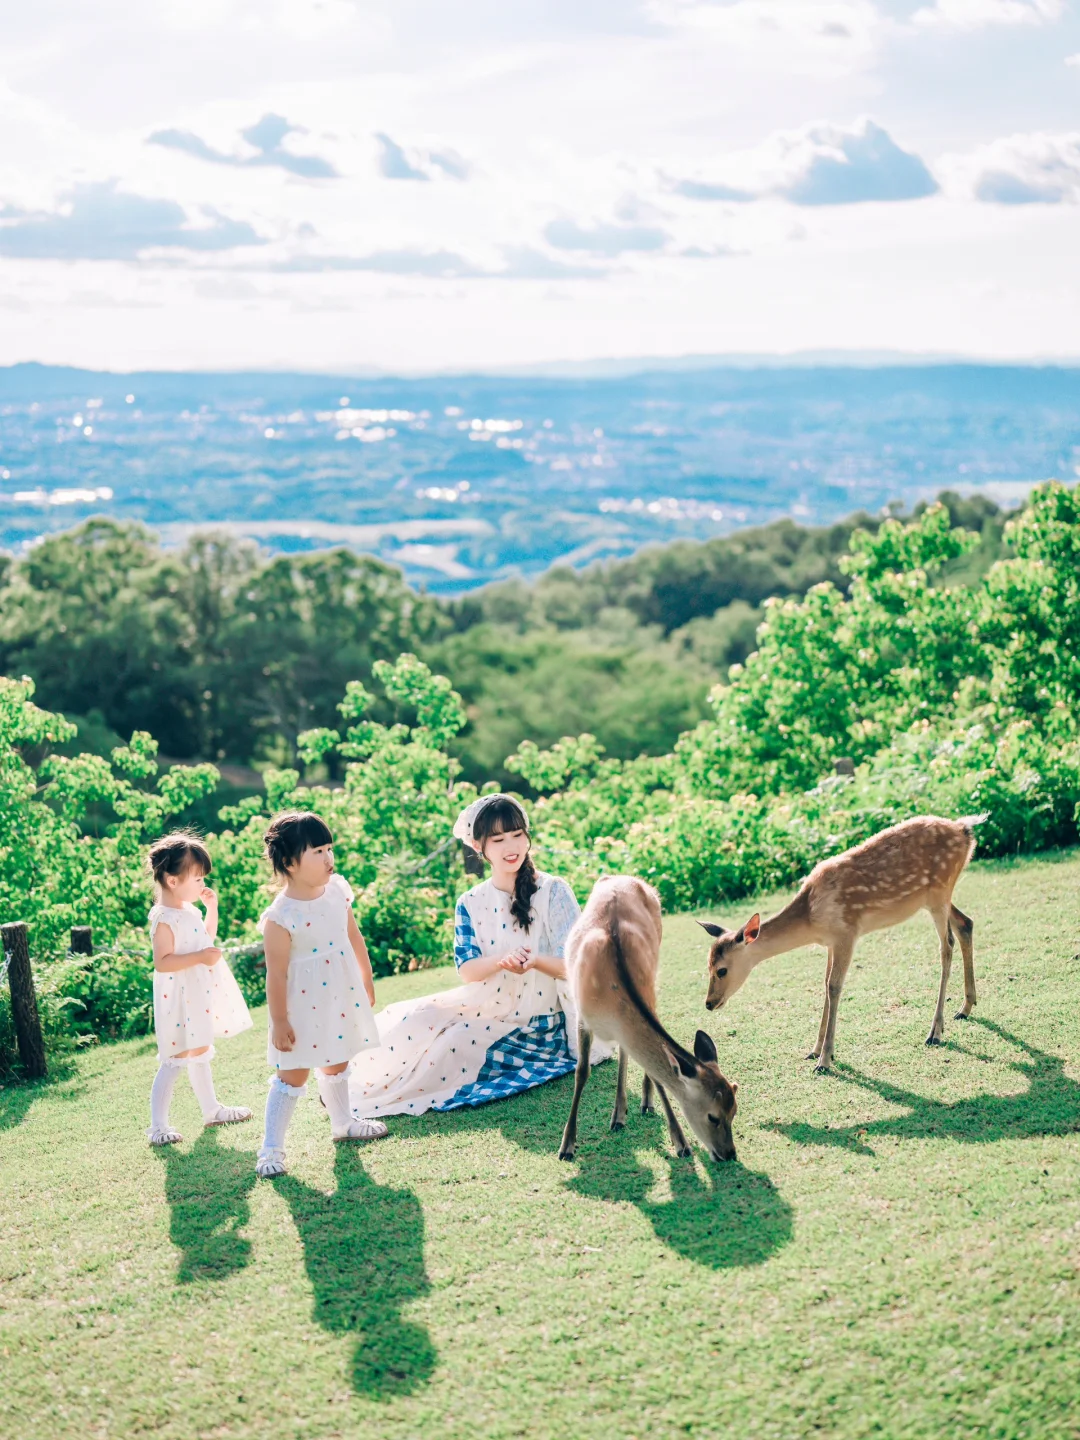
(421,184)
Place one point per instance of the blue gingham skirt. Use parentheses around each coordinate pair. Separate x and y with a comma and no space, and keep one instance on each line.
(529,1056)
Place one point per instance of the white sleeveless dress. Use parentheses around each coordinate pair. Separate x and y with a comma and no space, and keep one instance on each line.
(325,999)
(197,1006)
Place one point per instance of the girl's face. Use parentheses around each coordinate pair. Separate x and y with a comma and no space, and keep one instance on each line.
(314,867)
(506,850)
(185,889)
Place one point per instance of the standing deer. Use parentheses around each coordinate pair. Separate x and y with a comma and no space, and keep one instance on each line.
(612,956)
(880,883)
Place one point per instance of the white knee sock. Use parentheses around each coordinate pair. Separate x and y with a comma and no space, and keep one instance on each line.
(334,1090)
(202,1082)
(161,1093)
(280,1104)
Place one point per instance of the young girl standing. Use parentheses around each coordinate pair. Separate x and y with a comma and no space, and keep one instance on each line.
(318,985)
(196,997)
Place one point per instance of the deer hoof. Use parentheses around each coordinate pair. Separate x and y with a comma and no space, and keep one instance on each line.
(648,1110)
(962,1015)
(567,1152)
(812,1055)
(933,1039)
(617,1124)
(684,1152)
(822,1067)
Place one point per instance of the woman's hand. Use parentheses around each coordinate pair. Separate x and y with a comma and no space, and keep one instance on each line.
(282,1035)
(518,961)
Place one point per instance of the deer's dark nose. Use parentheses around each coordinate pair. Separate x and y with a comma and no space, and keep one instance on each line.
(710,1004)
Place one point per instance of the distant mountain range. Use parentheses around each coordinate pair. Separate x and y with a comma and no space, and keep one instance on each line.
(461,479)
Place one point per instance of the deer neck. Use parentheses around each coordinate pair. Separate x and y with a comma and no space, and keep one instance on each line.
(787,930)
(649,1049)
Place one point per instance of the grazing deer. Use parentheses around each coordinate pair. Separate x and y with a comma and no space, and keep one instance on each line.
(612,956)
(880,883)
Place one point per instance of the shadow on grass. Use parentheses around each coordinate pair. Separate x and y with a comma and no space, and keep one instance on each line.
(364,1255)
(17,1096)
(730,1217)
(1049,1106)
(207,1188)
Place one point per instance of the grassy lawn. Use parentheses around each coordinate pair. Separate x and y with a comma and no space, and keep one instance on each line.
(896,1252)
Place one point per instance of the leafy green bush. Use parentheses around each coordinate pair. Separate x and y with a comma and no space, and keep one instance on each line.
(954,700)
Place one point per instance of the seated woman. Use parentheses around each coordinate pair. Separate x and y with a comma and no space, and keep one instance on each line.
(512,1025)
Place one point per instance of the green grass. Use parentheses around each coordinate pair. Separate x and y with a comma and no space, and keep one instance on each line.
(896,1252)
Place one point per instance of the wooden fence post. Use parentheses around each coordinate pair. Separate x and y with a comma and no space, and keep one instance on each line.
(24,1011)
(82,940)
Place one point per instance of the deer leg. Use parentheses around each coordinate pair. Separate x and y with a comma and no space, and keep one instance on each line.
(678,1139)
(618,1115)
(842,952)
(941,920)
(569,1139)
(646,1096)
(816,1051)
(965,929)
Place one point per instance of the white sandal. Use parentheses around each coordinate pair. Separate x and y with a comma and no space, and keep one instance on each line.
(360,1129)
(229,1115)
(166,1136)
(269,1164)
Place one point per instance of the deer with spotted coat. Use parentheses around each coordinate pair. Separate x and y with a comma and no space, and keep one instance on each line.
(612,956)
(880,883)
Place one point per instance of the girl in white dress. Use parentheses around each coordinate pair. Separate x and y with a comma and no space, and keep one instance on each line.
(319,987)
(512,1025)
(196,997)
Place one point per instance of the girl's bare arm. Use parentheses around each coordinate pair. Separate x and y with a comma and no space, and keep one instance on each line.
(166,959)
(363,959)
(277,944)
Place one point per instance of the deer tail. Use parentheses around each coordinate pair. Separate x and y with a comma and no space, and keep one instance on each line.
(968,823)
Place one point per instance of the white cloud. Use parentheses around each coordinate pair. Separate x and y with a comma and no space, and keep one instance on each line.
(604,238)
(1035,169)
(818,165)
(98,221)
(978,14)
(266,139)
(396,163)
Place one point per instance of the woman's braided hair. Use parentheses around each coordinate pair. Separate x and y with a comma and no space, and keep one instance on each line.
(496,818)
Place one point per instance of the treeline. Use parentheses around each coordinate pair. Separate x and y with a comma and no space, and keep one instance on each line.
(226,655)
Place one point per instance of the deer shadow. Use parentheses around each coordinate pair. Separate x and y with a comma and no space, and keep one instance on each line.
(1049,1106)
(207,1189)
(731,1217)
(364,1256)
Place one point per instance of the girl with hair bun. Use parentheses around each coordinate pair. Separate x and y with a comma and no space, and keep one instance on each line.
(511,1025)
(196,997)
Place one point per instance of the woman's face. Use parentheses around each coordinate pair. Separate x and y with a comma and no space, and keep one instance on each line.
(505,850)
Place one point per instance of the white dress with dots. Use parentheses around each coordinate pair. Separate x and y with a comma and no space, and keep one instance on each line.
(197,1006)
(486,1040)
(325,999)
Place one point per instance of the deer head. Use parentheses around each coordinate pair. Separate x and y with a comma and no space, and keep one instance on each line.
(730,960)
(707,1099)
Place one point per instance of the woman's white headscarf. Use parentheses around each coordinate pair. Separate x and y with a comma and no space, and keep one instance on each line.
(466,821)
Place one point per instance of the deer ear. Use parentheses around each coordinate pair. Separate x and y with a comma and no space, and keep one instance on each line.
(704,1046)
(680,1064)
(710,929)
(751,929)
